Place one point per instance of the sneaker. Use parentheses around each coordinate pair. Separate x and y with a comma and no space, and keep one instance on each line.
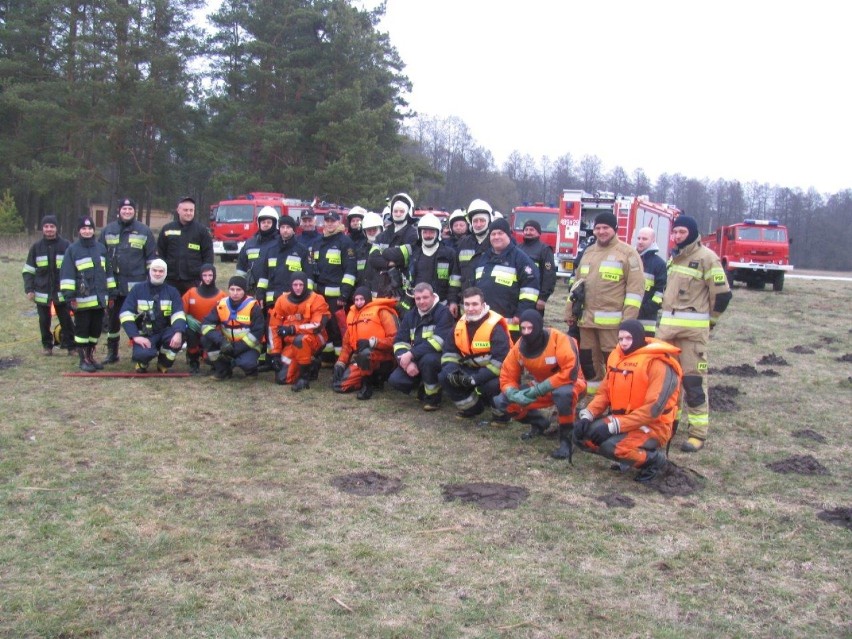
(692,445)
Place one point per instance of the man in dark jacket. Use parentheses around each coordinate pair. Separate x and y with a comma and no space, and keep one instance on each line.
(542,256)
(153,318)
(41,285)
(231,334)
(185,245)
(419,344)
(656,277)
(131,249)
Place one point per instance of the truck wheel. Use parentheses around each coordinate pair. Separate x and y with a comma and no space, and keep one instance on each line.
(778,283)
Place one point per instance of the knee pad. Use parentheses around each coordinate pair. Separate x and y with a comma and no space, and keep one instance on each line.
(587,363)
(693,388)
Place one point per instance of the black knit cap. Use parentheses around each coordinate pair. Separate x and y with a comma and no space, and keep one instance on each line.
(287,220)
(364,292)
(238,280)
(607,218)
(49,219)
(500,224)
(635,328)
(126,202)
(534,224)
(85,220)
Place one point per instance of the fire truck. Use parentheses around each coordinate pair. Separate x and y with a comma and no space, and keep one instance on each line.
(577,212)
(546,216)
(234,220)
(753,251)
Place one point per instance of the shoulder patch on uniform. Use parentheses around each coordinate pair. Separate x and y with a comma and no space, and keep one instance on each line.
(528,270)
(548,266)
(694,264)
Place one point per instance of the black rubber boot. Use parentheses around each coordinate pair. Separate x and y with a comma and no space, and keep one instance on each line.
(366,391)
(304,380)
(652,467)
(281,374)
(314,369)
(194,362)
(90,355)
(538,423)
(112,350)
(85,365)
(566,445)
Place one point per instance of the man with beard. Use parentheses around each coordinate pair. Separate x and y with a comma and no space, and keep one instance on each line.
(420,341)
(232,332)
(131,248)
(153,318)
(366,359)
(41,285)
(197,304)
(630,418)
(542,256)
(297,334)
(552,359)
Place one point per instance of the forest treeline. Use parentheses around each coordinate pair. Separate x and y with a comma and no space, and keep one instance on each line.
(105,98)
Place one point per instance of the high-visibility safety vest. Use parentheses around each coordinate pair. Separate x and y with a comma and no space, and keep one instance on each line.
(481,342)
(236,325)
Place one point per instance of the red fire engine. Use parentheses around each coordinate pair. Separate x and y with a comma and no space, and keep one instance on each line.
(753,251)
(546,216)
(577,212)
(234,220)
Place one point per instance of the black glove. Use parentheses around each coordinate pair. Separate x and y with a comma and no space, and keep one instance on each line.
(600,433)
(362,344)
(275,362)
(581,429)
(362,359)
(460,380)
(227,349)
(285,329)
(339,370)
(297,341)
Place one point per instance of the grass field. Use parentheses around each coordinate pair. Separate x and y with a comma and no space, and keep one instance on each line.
(189,508)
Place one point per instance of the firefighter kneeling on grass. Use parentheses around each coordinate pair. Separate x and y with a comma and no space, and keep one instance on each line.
(232,332)
(153,318)
(366,359)
(297,334)
(552,359)
(630,419)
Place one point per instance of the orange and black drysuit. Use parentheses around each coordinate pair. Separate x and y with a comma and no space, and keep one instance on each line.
(552,359)
(470,365)
(636,404)
(367,351)
(297,334)
(197,304)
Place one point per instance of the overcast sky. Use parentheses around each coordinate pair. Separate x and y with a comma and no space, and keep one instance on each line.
(747,90)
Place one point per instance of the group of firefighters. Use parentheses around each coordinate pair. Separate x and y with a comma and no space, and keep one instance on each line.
(427,309)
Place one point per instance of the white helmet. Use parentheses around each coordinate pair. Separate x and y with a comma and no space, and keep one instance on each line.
(429,221)
(497,215)
(403,198)
(479,206)
(267,213)
(356,211)
(372,220)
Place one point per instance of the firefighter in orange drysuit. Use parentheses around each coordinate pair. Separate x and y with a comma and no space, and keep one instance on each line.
(366,359)
(553,361)
(630,419)
(297,333)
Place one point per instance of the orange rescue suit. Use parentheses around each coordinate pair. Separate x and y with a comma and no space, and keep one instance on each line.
(558,362)
(376,319)
(642,389)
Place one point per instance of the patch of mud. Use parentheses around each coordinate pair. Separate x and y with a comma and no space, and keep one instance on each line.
(743,370)
(845,358)
(722,399)
(800,465)
(827,340)
(808,433)
(614,500)
(837,516)
(769,372)
(675,481)
(487,496)
(801,350)
(261,536)
(9,362)
(772,360)
(367,483)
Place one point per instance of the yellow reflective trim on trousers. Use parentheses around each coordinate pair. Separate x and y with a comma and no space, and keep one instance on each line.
(657,298)
(699,419)
(607,318)
(686,323)
(685,270)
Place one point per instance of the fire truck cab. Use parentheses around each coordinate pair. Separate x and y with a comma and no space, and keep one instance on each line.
(753,251)
(234,220)
(546,216)
(577,213)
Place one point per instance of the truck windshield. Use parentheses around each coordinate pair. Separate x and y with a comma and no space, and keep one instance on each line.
(748,233)
(235,213)
(548,221)
(775,235)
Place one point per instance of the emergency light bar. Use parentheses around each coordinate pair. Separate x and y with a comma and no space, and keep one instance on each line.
(762,222)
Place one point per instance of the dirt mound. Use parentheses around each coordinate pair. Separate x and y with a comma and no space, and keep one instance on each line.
(837,516)
(800,465)
(769,372)
(9,362)
(743,370)
(845,358)
(614,500)
(722,399)
(807,433)
(486,495)
(367,483)
(772,360)
(801,350)
(675,481)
